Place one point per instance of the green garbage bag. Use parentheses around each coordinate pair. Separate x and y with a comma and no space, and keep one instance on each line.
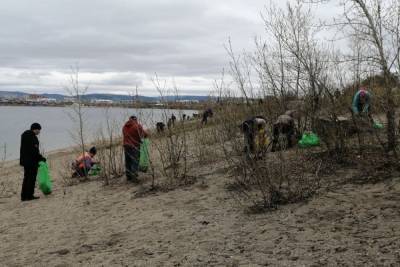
(309,140)
(144,161)
(45,184)
(377,125)
(95,170)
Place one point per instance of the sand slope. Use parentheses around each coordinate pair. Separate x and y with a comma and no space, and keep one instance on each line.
(200,225)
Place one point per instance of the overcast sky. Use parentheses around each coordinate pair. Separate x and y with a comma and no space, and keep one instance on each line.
(119,44)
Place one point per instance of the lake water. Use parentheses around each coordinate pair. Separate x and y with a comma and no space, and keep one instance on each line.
(59,126)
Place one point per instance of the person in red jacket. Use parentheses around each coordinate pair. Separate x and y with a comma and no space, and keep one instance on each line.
(133,133)
(83,163)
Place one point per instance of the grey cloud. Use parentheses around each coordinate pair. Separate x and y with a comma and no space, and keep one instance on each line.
(123,79)
(175,37)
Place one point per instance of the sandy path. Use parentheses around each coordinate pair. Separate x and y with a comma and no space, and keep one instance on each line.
(200,225)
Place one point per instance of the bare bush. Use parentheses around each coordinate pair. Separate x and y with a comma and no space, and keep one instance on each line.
(264,183)
(291,65)
(65,171)
(77,115)
(372,27)
(274,181)
(110,153)
(295,64)
(376,23)
(204,145)
(173,149)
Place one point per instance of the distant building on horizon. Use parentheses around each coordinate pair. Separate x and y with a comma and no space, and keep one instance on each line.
(34,98)
(187,101)
(70,99)
(102,101)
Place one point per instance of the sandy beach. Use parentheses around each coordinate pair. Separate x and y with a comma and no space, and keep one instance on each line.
(273,131)
(90,224)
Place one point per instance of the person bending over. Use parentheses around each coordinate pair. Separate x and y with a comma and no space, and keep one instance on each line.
(84,163)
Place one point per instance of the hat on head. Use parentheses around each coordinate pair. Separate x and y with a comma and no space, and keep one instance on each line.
(93,150)
(36,126)
(133,117)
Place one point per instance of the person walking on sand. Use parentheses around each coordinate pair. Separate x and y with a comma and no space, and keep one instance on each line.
(29,158)
(133,133)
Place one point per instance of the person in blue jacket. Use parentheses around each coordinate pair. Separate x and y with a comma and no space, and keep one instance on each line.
(361,102)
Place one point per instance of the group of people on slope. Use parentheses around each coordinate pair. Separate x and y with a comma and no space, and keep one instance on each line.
(208,113)
(160,126)
(256,134)
(133,134)
(255,129)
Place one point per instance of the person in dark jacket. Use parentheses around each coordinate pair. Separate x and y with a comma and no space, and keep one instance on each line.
(173,119)
(29,158)
(160,127)
(133,133)
(207,114)
(284,125)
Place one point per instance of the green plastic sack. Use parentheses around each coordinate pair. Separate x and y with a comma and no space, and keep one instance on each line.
(309,140)
(45,184)
(95,170)
(144,161)
(377,125)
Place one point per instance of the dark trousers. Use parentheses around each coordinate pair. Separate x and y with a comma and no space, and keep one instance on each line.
(284,129)
(249,141)
(81,172)
(204,120)
(28,185)
(132,155)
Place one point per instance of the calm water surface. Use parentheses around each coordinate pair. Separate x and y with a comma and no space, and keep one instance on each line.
(58,125)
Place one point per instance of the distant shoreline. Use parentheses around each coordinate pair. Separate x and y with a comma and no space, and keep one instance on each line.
(141,105)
